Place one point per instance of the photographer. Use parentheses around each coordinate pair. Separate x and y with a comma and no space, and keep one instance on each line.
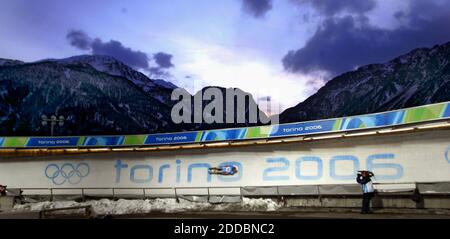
(363,178)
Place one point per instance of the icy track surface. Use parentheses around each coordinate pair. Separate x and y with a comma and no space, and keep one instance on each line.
(123,206)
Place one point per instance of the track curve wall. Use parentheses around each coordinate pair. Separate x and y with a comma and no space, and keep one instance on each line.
(407,157)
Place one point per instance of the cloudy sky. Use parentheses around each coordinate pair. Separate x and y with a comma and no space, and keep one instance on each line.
(285,49)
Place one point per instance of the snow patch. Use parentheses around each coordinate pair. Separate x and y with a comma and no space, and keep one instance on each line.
(167,205)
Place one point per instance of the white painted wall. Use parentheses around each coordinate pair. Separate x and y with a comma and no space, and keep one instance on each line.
(415,157)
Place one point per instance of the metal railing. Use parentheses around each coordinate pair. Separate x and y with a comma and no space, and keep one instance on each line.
(144,192)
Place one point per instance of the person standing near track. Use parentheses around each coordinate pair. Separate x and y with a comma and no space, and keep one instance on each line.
(363,178)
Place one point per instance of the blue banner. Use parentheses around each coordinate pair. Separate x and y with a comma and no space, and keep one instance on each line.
(223,134)
(368,121)
(302,128)
(103,140)
(52,142)
(175,138)
(446,112)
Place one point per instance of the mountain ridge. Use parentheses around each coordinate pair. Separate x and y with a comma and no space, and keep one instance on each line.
(419,77)
(101,95)
(92,101)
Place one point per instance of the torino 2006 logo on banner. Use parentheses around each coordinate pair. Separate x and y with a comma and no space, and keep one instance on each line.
(71,173)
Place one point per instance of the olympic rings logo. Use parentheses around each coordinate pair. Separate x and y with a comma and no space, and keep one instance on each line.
(67,173)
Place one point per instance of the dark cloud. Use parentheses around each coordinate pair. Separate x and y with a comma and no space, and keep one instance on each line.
(79,39)
(341,44)
(116,49)
(135,59)
(332,7)
(163,60)
(158,72)
(257,8)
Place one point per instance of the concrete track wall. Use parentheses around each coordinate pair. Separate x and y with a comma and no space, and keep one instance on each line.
(409,157)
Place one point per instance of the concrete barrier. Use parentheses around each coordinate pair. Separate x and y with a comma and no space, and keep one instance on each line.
(6,203)
(380,201)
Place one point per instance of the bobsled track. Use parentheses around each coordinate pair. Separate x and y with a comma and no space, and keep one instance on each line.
(408,150)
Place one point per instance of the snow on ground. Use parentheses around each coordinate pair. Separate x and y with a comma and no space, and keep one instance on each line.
(124,206)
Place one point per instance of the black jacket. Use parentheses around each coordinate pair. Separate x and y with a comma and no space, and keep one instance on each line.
(362,180)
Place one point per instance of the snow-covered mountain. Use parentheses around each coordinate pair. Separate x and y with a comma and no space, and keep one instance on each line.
(417,78)
(157,88)
(92,102)
(100,95)
(96,95)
